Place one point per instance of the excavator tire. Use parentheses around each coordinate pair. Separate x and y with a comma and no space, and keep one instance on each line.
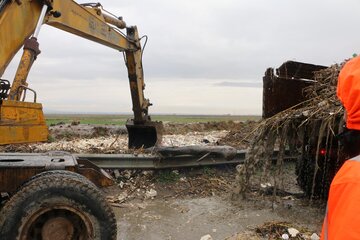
(57,205)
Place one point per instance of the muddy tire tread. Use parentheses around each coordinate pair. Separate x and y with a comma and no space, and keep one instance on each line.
(54,180)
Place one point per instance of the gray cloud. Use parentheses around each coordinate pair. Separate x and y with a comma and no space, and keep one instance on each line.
(222,44)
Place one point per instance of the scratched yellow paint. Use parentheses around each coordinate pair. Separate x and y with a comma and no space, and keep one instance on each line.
(17,22)
(22,122)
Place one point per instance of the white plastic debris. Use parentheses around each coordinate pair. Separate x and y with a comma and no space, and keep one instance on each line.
(117,174)
(151,193)
(293,232)
(183,179)
(284,236)
(147,173)
(206,237)
(314,236)
(265,185)
(288,198)
(122,196)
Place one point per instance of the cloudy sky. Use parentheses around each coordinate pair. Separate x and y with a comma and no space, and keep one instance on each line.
(202,57)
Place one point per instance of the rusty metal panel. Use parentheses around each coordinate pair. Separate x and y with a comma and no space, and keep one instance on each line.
(286,88)
(17,168)
(95,174)
(299,70)
(281,93)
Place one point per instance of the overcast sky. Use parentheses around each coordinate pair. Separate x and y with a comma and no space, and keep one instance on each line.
(202,57)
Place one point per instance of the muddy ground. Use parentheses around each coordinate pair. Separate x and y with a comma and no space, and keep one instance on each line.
(191,203)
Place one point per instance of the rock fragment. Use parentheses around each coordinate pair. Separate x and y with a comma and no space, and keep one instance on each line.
(293,232)
(314,236)
(285,236)
(206,237)
(151,193)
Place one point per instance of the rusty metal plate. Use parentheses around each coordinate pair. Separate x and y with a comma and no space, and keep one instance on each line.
(36,160)
(284,87)
(16,169)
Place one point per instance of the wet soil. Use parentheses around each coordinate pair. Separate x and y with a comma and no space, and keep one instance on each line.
(195,217)
(189,218)
(191,203)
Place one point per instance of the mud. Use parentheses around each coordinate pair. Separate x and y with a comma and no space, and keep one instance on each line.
(200,201)
(192,218)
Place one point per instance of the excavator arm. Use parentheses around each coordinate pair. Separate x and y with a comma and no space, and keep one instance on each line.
(89,21)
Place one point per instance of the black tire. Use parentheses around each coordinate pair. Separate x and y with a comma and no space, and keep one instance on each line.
(61,172)
(56,205)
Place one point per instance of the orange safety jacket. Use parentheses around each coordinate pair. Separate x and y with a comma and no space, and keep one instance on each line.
(342,220)
(348,91)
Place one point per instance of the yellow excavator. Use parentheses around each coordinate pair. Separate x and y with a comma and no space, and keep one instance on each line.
(20,23)
(55,195)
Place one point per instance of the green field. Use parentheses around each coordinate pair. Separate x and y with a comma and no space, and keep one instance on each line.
(121,119)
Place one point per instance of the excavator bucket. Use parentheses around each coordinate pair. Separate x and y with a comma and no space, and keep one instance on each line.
(144,135)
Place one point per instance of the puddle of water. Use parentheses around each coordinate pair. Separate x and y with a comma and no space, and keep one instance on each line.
(188,219)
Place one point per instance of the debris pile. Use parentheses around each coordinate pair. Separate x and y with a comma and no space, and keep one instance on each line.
(235,126)
(275,231)
(315,121)
(241,135)
(284,230)
(138,185)
(114,143)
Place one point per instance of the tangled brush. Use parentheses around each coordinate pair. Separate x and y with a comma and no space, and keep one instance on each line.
(315,121)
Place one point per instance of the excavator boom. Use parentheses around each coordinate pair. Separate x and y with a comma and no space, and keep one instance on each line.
(22,121)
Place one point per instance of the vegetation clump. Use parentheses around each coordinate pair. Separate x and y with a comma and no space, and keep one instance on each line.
(314,122)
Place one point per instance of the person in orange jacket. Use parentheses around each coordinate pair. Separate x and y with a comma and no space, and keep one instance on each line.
(342,219)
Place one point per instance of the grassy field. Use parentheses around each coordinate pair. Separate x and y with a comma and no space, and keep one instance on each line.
(121,119)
